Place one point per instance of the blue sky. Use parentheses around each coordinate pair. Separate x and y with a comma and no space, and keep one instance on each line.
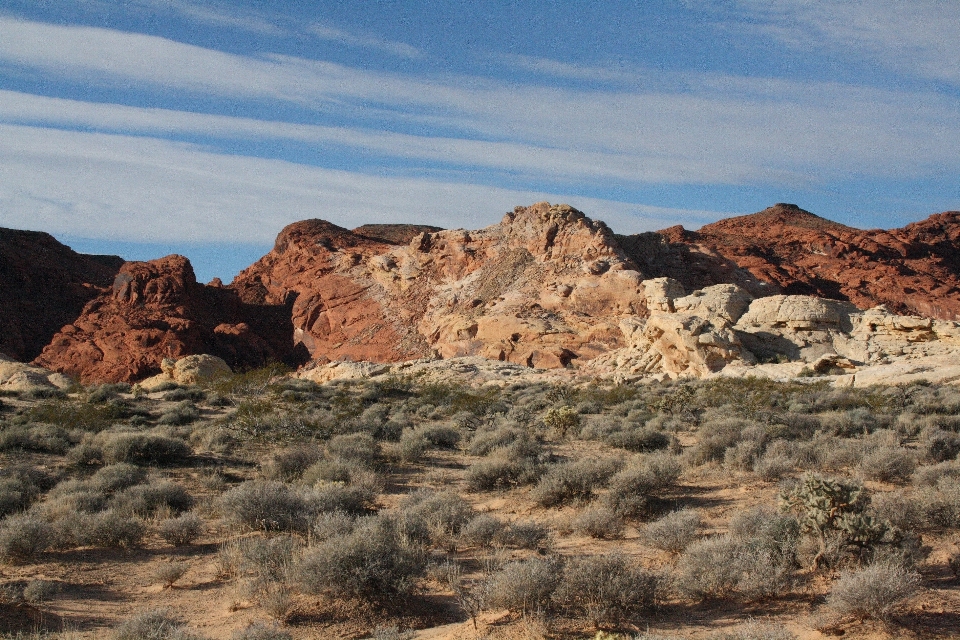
(145,127)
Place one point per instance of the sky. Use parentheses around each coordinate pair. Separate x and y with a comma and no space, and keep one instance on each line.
(148,127)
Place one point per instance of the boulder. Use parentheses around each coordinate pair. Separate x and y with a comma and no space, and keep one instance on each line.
(190,370)
(23,377)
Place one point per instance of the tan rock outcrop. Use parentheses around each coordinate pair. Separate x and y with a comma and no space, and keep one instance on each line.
(23,377)
(190,370)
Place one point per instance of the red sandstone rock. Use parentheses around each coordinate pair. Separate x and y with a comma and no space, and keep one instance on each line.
(784,249)
(43,286)
(157,310)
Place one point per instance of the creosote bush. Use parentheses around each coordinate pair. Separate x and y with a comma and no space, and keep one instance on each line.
(673,532)
(572,481)
(525,586)
(269,506)
(142,448)
(182,530)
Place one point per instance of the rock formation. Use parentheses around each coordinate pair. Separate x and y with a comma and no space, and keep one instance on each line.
(547,287)
(43,286)
(157,310)
(544,287)
(784,249)
(22,377)
(190,370)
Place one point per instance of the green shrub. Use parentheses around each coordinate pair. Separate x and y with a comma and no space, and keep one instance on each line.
(562,420)
(141,448)
(371,563)
(606,589)
(876,591)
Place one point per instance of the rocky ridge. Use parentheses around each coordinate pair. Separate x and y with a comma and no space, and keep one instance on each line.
(546,288)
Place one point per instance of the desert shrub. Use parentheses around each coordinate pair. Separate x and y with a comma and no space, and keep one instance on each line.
(371,563)
(261,560)
(194,394)
(673,532)
(116,477)
(20,486)
(85,454)
(572,481)
(874,591)
(111,529)
(169,572)
(940,446)
(433,516)
(634,491)
(141,448)
(182,530)
(78,415)
(269,506)
(43,438)
(24,537)
(522,535)
(901,509)
(356,498)
(825,506)
(606,589)
(146,499)
(562,420)
(769,529)
(482,530)
(599,522)
(715,436)
(518,464)
(360,448)
(486,441)
(261,631)
(330,470)
(754,630)
(525,586)
(37,592)
(291,463)
(724,566)
(152,625)
(941,504)
(413,445)
(930,475)
(639,439)
(331,524)
(776,461)
(852,423)
(888,464)
(441,436)
(183,413)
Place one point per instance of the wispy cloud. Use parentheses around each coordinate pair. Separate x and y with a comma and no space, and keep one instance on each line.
(139,189)
(917,37)
(716,129)
(402,49)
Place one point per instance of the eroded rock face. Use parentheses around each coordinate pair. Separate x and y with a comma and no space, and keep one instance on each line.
(786,250)
(157,310)
(43,286)
(20,377)
(544,288)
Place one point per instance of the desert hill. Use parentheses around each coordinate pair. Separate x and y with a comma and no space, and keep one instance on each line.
(547,287)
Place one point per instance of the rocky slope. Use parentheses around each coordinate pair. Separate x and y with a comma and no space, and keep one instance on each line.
(156,310)
(784,249)
(43,286)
